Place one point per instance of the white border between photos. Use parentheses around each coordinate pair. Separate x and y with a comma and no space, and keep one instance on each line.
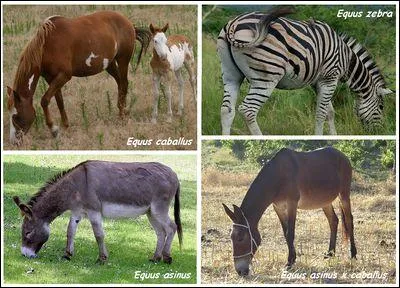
(200,138)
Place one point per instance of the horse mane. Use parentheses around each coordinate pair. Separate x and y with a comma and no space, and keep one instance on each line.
(53,180)
(32,54)
(359,50)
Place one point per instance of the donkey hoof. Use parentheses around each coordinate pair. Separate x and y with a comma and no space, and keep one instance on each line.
(155,259)
(54,131)
(67,257)
(101,260)
(167,259)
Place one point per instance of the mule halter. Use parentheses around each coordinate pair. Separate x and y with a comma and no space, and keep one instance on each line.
(253,242)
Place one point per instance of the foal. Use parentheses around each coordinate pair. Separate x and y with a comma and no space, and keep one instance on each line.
(169,56)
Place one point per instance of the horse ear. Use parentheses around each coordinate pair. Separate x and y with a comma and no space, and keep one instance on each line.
(229,212)
(25,209)
(13,95)
(152,30)
(384,91)
(165,28)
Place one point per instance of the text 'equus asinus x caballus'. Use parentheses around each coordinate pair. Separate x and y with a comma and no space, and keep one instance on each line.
(67,47)
(98,189)
(293,180)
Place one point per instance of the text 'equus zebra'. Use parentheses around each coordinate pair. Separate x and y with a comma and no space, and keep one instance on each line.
(276,52)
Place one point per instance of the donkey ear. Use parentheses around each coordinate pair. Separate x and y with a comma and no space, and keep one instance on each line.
(384,91)
(165,28)
(25,209)
(152,30)
(230,214)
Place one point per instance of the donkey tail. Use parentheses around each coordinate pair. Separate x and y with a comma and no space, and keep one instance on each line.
(345,232)
(144,36)
(177,216)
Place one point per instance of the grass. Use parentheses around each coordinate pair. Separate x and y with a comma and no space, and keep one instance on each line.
(373,208)
(130,242)
(99,115)
(293,112)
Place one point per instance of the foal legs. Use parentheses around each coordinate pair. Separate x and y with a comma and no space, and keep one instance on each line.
(156,95)
(192,77)
(72,226)
(97,225)
(178,74)
(333,224)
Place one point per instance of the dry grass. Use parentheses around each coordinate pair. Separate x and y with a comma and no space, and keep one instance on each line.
(375,233)
(91,102)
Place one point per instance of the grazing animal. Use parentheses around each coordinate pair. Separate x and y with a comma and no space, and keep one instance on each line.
(170,56)
(67,47)
(100,189)
(275,52)
(290,181)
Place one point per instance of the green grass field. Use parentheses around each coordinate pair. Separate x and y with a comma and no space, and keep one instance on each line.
(129,242)
(293,112)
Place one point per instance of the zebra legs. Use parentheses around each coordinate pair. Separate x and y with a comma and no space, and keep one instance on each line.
(325,90)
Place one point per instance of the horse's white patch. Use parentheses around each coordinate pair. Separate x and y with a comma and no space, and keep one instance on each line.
(115,210)
(28,252)
(89,59)
(105,63)
(177,55)
(13,138)
(30,81)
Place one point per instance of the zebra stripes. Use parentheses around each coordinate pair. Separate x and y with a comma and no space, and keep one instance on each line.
(275,52)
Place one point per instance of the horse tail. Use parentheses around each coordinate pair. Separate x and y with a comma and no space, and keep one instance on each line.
(345,231)
(177,216)
(144,36)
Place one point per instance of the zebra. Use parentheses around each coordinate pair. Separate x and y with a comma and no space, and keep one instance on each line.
(271,51)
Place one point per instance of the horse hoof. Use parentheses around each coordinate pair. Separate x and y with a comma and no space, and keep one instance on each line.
(54,131)
(155,259)
(167,259)
(154,121)
(169,119)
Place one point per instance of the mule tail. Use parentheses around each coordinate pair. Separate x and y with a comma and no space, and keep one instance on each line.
(345,231)
(144,36)
(177,216)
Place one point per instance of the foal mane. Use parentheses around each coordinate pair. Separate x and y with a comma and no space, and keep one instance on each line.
(32,54)
(53,180)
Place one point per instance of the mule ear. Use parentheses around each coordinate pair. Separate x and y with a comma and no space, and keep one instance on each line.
(384,91)
(229,212)
(238,213)
(152,30)
(165,28)
(25,209)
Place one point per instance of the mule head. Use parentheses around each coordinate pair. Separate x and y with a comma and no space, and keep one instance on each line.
(245,240)
(22,115)
(160,40)
(35,232)
(369,107)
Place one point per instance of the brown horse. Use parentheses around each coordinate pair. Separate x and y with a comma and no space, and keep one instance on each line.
(290,181)
(99,189)
(63,48)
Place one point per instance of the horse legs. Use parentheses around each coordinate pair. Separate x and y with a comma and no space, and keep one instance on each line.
(158,228)
(55,85)
(156,95)
(72,226)
(347,224)
(178,74)
(97,225)
(60,105)
(122,85)
(333,224)
(192,77)
(291,223)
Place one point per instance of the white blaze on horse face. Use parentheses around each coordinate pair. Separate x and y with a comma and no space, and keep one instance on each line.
(105,63)
(30,81)
(89,59)
(28,252)
(13,138)
(160,44)
(116,210)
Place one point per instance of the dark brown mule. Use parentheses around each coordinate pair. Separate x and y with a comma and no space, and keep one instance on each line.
(67,47)
(290,181)
(98,189)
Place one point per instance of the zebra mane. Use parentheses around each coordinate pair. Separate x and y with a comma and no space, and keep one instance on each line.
(365,58)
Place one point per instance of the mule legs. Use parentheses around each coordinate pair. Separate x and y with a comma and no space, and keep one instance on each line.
(347,223)
(165,231)
(333,224)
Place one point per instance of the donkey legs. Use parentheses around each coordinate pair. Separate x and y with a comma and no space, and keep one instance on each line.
(72,226)
(55,84)
(158,228)
(333,224)
(178,74)
(97,225)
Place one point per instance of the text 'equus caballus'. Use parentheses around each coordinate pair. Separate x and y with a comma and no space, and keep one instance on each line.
(170,55)
(67,47)
(98,189)
(293,180)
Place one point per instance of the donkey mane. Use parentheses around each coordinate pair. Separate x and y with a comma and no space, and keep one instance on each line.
(359,50)
(53,180)
(32,55)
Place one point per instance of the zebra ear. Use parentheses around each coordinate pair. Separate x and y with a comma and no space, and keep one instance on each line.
(384,91)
